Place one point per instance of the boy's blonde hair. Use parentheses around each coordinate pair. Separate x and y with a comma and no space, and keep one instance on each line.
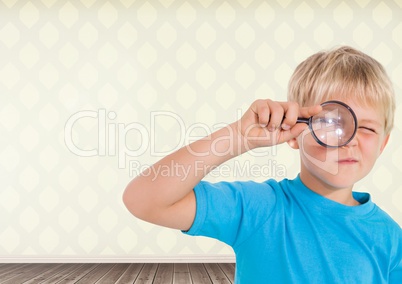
(343,73)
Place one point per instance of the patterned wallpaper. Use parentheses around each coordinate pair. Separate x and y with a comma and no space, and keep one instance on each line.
(92,92)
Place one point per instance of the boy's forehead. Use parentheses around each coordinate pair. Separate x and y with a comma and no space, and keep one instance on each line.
(364,109)
(351,100)
(366,112)
(351,96)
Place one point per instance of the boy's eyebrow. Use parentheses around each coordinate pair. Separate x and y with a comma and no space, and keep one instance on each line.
(371,121)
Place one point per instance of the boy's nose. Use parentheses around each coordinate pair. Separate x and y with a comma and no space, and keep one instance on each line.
(352,142)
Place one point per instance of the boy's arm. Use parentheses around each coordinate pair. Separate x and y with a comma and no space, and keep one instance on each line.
(164,193)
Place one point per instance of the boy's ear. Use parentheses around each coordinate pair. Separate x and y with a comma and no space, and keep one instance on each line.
(384,143)
(293,143)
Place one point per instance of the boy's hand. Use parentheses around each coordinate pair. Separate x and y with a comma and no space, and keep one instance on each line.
(268,123)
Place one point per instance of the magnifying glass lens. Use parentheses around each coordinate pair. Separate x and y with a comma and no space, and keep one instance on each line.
(335,125)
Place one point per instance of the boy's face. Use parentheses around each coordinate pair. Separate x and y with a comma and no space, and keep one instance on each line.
(341,168)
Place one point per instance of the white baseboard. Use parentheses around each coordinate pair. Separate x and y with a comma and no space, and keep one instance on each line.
(114,259)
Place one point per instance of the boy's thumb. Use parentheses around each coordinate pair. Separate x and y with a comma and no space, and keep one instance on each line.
(294,132)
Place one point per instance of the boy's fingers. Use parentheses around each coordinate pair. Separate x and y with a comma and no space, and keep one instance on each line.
(276,117)
(273,115)
(291,111)
(261,109)
(293,132)
(306,112)
(297,130)
(269,113)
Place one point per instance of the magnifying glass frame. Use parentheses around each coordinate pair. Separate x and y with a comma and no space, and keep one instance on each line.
(309,121)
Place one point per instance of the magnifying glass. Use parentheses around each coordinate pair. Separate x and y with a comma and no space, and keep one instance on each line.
(335,126)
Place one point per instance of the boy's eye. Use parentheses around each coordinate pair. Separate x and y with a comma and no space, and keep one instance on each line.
(367,129)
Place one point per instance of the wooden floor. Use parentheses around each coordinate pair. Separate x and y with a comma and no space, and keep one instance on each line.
(193,273)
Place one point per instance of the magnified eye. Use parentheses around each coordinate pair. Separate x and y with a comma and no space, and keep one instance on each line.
(329,122)
(334,126)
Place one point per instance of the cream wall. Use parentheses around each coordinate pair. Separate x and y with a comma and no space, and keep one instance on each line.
(94,91)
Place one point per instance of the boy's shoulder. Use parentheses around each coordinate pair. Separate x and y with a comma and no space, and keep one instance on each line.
(387,222)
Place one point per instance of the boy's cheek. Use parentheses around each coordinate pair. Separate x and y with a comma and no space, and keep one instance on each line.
(318,153)
(372,144)
(307,143)
(314,154)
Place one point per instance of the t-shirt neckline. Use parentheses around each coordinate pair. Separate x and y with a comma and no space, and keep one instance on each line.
(329,206)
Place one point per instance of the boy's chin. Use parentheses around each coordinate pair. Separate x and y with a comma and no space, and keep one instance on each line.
(332,181)
(340,181)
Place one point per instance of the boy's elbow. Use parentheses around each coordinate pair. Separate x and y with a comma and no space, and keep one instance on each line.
(132,201)
(126,198)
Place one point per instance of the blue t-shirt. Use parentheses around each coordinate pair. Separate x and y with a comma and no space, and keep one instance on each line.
(282,232)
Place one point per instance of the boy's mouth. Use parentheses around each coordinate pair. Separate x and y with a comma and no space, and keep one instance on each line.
(347,161)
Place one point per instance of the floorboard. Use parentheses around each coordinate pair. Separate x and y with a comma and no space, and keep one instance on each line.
(147,273)
(131,274)
(45,274)
(164,273)
(8,269)
(65,271)
(228,269)
(14,273)
(181,274)
(114,274)
(98,272)
(117,273)
(216,274)
(199,274)
(78,273)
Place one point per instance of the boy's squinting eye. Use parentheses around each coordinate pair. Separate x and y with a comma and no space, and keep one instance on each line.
(370,126)
(367,129)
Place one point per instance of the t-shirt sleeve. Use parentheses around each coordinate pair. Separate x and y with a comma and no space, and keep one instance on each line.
(231,211)
(396,272)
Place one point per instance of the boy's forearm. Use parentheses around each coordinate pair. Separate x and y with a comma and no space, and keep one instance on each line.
(190,164)
(173,177)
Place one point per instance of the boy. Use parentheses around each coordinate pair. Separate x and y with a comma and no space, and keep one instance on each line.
(312,229)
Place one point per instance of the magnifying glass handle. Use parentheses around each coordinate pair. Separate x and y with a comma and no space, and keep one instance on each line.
(302,120)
